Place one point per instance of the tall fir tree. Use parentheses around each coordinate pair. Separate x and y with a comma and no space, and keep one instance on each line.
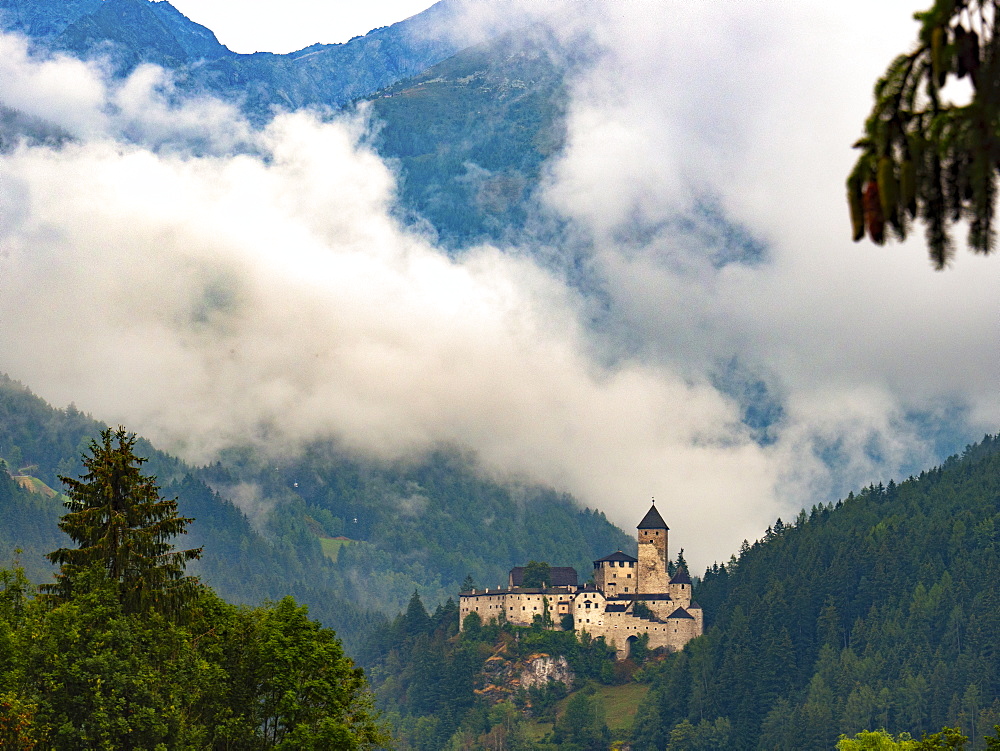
(123,527)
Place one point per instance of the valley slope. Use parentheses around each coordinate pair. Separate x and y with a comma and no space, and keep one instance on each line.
(424,524)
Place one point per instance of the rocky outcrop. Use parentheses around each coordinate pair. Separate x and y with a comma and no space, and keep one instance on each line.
(542,668)
(502,677)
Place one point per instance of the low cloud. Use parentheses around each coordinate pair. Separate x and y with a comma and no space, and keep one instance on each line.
(210,285)
(144,108)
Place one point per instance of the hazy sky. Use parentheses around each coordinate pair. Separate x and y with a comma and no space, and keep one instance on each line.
(206,297)
(263,26)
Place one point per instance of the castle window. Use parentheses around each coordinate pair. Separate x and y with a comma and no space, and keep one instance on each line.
(626,589)
(629,576)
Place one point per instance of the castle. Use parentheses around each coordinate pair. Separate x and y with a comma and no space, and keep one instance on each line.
(628,597)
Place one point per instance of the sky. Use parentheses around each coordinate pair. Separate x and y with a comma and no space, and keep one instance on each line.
(255,26)
(207,284)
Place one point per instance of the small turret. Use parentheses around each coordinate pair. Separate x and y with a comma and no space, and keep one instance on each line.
(680,587)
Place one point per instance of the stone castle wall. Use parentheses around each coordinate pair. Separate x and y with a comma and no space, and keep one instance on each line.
(618,628)
(616,577)
(518,606)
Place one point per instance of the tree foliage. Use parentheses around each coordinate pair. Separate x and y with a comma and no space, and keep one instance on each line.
(880,740)
(537,574)
(924,156)
(122,526)
(84,674)
(87,669)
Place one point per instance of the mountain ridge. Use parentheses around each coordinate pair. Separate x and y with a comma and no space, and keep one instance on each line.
(127,33)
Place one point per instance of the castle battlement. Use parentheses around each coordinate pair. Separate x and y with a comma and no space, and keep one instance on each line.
(622,585)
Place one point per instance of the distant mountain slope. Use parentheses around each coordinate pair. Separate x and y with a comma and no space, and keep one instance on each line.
(471,134)
(17,127)
(881,612)
(470,129)
(197,41)
(429,521)
(241,563)
(127,32)
(424,524)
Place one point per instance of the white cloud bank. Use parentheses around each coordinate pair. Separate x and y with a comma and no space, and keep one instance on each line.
(207,300)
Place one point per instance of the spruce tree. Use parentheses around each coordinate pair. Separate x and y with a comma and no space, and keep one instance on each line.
(928,158)
(123,527)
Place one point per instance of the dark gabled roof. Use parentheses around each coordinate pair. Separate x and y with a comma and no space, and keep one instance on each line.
(681,577)
(694,606)
(615,608)
(652,520)
(562,576)
(619,556)
(681,613)
(641,596)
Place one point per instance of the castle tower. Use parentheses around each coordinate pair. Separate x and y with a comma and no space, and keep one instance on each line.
(652,573)
(680,587)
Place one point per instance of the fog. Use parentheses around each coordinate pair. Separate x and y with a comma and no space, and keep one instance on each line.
(210,285)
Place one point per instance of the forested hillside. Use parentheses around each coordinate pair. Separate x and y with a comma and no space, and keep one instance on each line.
(424,524)
(880,611)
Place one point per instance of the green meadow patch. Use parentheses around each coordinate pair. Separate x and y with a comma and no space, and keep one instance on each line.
(332,545)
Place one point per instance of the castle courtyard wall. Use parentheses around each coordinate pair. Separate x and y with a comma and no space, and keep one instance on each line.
(616,628)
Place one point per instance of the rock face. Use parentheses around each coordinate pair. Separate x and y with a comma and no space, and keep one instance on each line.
(43,20)
(541,668)
(126,33)
(503,677)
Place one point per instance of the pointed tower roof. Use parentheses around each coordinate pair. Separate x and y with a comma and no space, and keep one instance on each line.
(681,577)
(652,520)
